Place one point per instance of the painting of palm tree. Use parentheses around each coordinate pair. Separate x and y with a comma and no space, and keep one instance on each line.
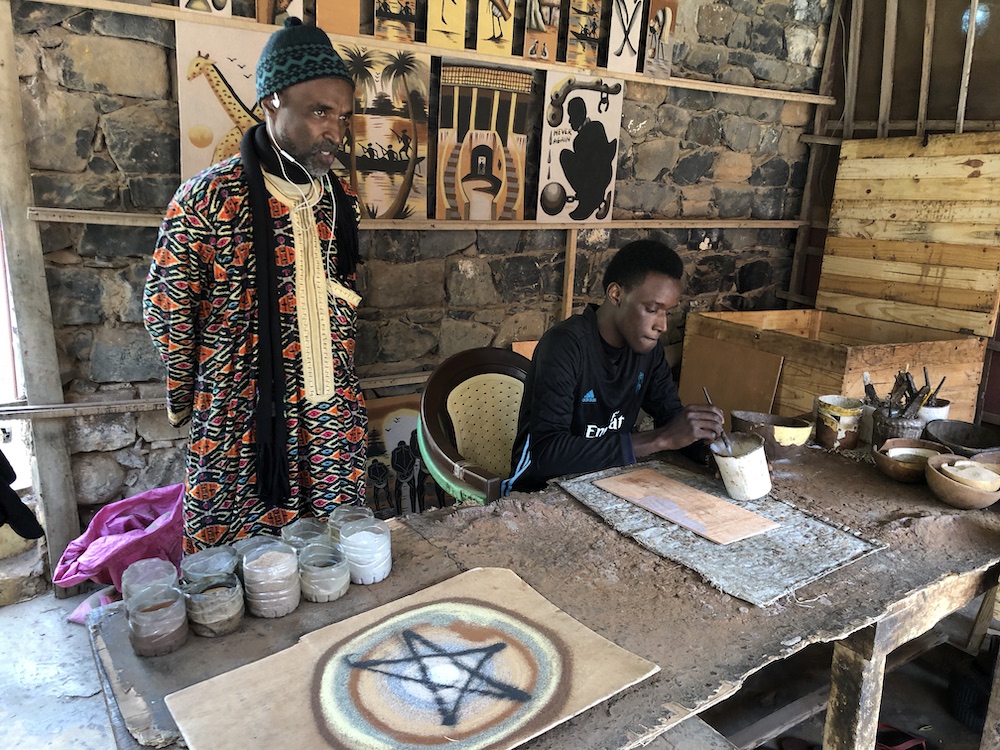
(386,149)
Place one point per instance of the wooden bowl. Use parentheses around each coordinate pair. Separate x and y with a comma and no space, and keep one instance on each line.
(964,438)
(990,458)
(956,494)
(783,436)
(909,465)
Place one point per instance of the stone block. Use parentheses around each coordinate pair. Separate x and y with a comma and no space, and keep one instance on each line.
(754,275)
(32,16)
(769,203)
(396,246)
(518,276)
(737,76)
(672,120)
(84,190)
(60,126)
(22,577)
(400,341)
(127,301)
(809,12)
(528,325)
(740,134)
(26,52)
(767,37)
(691,99)
(733,202)
(164,467)
(122,355)
(460,335)
(442,244)
(776,12)
(796,114)
(712,273)
(692,167)
(97,478)
(767,69)
(544,239)
(705,130)
(800,42)
(770,139)
(85,63)
(739,34)
(655,158)
(772,173)
(499,241)
(154,426)
(731,166)
(470,283)
(152,192)
(658,199)
(765,110)
(732,104)
(637,120)
(100,432)
(106,240)
(76,295)
(707,59)
(123,26)
(696,200)
(144,138)
(393,285)
(365,343)
(642,93)
(715,21)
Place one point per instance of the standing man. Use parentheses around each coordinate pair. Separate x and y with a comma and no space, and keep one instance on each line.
(251,300)
(590,375)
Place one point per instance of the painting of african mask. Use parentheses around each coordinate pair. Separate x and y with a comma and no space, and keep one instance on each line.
(576,176)
(385,157)
(481,660)
(482,139)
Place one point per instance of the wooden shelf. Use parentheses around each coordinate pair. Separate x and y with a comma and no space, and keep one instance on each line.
(124,219)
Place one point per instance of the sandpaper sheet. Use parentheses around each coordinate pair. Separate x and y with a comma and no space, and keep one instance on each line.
(706,515)
(480,660)
(760,569)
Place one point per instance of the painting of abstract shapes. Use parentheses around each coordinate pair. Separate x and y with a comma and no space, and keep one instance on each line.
(495,33)
(659,38)
(482,139)
(340,16)
(400,20)
(385,158)
(542,20)
(625,36)
(585,33)
(215,91)
(481,660)
(576,174)
(447,27)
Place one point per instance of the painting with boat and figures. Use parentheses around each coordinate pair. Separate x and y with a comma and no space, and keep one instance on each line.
(401,20)
(385,157)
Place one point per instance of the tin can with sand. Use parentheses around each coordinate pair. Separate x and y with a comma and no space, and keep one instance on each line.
(744,467)
(838,421)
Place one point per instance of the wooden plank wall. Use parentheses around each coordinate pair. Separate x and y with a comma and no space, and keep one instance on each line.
(915,232)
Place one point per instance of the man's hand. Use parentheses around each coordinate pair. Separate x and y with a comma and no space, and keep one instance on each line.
(695,422)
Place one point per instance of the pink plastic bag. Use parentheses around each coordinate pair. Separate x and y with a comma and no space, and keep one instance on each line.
(150,524)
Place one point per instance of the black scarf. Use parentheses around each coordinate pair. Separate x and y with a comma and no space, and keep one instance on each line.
(258,153)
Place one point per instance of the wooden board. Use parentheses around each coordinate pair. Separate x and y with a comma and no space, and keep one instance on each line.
(709,363)
(912,233)
(416,672)
(706,515)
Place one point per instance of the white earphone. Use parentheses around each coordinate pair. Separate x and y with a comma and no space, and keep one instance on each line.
(274,101)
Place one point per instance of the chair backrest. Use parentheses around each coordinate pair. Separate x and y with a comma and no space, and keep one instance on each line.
(483,411)
(468,420)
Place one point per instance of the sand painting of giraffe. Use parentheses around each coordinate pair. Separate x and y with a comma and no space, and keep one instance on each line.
(215,92)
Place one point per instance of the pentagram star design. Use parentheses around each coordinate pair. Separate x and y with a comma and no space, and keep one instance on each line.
(451,676)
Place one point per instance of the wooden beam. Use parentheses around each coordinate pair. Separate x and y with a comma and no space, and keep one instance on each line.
(858,674)
(121,218)
(51,474)
(820,140)
(963,89)
(853,66)
(930,10)
(569,275)
(970,125)
(888,66)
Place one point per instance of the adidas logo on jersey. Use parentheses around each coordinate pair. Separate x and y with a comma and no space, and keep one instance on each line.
(589,398)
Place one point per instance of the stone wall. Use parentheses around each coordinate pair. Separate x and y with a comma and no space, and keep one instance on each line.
(101,117)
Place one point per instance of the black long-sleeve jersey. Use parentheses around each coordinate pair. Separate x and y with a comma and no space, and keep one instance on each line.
(581,401)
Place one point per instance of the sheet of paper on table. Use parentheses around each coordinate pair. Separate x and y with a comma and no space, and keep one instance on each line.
(706,515)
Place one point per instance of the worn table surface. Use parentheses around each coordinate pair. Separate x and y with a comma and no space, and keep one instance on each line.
(706,642)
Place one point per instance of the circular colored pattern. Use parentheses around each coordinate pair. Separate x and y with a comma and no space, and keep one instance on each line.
(459,674)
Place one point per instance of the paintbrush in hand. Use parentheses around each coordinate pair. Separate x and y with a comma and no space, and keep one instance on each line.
(725,438)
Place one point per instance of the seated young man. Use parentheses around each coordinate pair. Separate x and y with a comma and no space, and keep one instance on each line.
(591,374)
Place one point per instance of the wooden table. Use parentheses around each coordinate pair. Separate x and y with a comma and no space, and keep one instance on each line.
(706,642)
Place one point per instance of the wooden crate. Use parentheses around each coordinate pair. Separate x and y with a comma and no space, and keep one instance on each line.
(911,276)
(826,352)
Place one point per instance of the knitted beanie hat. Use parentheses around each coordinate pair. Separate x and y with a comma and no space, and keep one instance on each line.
(297,53)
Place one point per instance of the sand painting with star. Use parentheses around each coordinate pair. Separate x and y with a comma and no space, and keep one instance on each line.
(481,660)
